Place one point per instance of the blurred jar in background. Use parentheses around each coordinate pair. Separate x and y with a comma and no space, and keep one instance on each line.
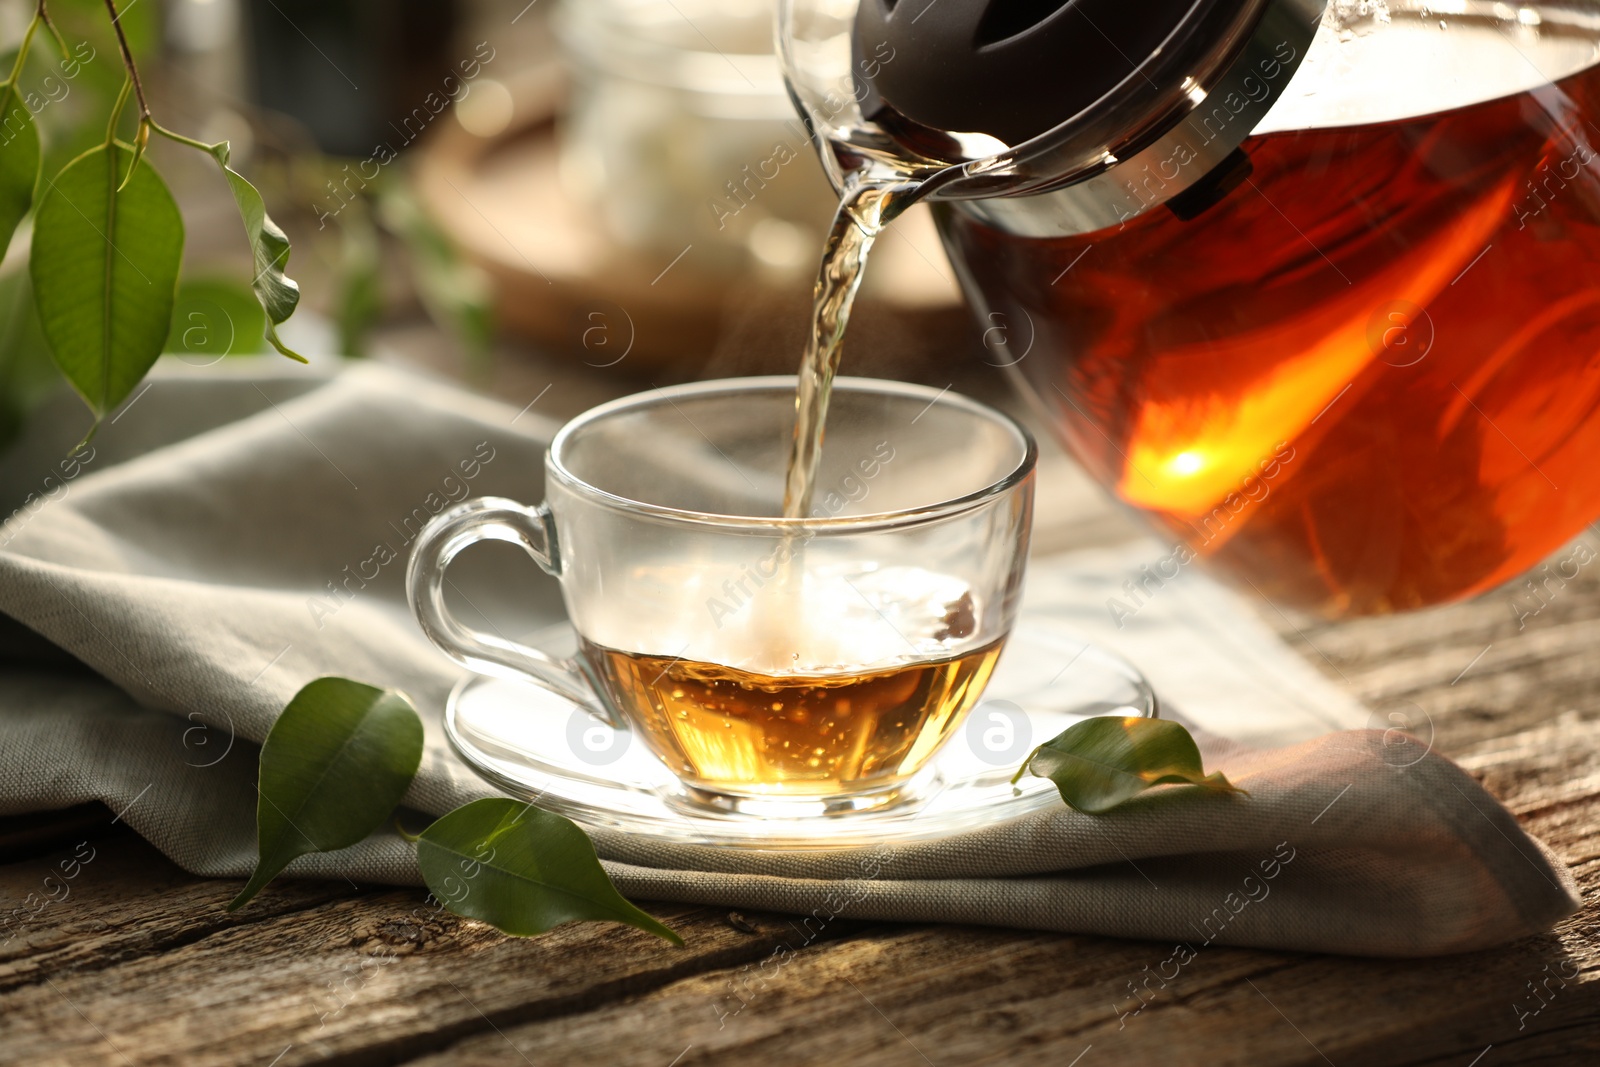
(679,132)
(348,69)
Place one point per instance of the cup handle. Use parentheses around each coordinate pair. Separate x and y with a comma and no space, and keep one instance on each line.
(491,519)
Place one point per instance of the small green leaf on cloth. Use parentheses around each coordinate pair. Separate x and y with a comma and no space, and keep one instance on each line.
(269,246)
(521,870)
(333,768)
(1105,761)
(19,161)
(105,270)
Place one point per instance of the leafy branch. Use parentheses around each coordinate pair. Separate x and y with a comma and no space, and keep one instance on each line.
(108,238)
(269,246)
(147,122)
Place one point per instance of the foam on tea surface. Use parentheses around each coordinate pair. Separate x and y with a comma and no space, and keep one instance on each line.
(806,617)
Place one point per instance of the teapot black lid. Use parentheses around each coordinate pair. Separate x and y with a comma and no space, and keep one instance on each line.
(1014,69)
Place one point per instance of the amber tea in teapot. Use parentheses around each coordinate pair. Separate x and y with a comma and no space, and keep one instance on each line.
(1366,379)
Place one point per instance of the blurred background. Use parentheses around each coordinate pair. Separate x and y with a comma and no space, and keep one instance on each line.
(606,193)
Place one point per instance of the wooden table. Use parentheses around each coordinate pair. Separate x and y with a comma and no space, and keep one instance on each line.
(142,965)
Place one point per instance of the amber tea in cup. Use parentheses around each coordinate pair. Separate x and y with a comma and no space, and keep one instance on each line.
(765,659)
(803,734)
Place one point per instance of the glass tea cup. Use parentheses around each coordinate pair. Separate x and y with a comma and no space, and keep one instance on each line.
(764,659)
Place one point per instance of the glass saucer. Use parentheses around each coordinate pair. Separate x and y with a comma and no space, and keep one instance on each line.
(532,744)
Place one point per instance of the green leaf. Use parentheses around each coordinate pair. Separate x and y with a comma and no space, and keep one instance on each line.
(333,767)
(1105,761)
(105,269)
(521,870)
(277,292)
(19,162)
(215,317)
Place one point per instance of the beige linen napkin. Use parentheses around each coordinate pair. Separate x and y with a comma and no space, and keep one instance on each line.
(163,598)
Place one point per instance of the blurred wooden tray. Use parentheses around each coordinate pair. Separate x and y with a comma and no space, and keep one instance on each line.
(557,276)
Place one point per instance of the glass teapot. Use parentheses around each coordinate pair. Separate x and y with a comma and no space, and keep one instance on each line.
(1315,287)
